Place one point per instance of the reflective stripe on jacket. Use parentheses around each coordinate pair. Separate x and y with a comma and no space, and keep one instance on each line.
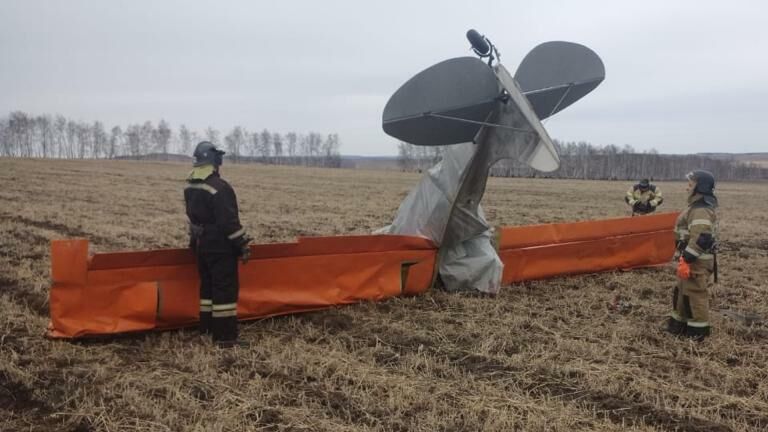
(212,204)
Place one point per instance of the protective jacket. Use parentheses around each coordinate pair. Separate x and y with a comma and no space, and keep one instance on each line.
(649,199)
(213,214)
(696,233)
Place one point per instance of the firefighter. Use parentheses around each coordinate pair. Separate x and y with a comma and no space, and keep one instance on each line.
(643,197)
(696,237)
(218,240)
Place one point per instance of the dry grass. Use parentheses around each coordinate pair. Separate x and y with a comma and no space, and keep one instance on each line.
(545,355)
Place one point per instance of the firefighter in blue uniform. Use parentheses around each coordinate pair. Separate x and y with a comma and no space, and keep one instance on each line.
(218,240)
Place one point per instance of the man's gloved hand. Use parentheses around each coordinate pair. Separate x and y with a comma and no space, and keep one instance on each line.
(683,269)
(245,249)
(640,207)
(245,253)
(195,232)
(651,205)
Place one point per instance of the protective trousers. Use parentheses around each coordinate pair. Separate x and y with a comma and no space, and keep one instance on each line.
(219,289)
(691,302)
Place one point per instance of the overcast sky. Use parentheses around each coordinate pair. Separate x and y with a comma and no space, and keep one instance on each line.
(681,76)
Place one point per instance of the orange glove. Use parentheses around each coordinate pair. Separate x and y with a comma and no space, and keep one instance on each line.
(683,269)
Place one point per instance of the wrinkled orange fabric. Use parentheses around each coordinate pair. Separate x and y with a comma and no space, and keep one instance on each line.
(135,291)
(568,232)
(542,251)
(148,290)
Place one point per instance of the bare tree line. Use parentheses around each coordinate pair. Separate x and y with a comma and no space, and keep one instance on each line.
(48,136)
(417,158)
(583,160)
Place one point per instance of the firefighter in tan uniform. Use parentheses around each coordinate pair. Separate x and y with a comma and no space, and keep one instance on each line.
(218,240)
(643,197)
(696,234)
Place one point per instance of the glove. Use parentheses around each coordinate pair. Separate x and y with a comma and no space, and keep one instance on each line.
(245,249)
(195,232)
(245,253)
(680,247)
(688,257)
(683,269)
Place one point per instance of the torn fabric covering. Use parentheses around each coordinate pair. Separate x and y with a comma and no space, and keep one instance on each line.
(425,210)
(468,260)
(445,206)
(461,100)
(472,264)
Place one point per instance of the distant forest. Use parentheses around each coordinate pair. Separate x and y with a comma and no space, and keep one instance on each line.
(48,136)
(583,160)
(55,136)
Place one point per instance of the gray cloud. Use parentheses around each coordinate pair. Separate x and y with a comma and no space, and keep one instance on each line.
(682,76)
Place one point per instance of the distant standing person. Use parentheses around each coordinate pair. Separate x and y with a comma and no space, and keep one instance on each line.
(643,197)
(696,234)
(218,240)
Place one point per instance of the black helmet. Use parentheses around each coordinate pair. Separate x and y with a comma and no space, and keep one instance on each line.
(644,184)
(705,181)
(207,153)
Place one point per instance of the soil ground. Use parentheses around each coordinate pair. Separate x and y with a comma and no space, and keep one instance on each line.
(541,356)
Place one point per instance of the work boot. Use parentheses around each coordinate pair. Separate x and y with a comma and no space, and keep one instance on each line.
(676,327)
(204,325)
(225,344)
(697,334)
